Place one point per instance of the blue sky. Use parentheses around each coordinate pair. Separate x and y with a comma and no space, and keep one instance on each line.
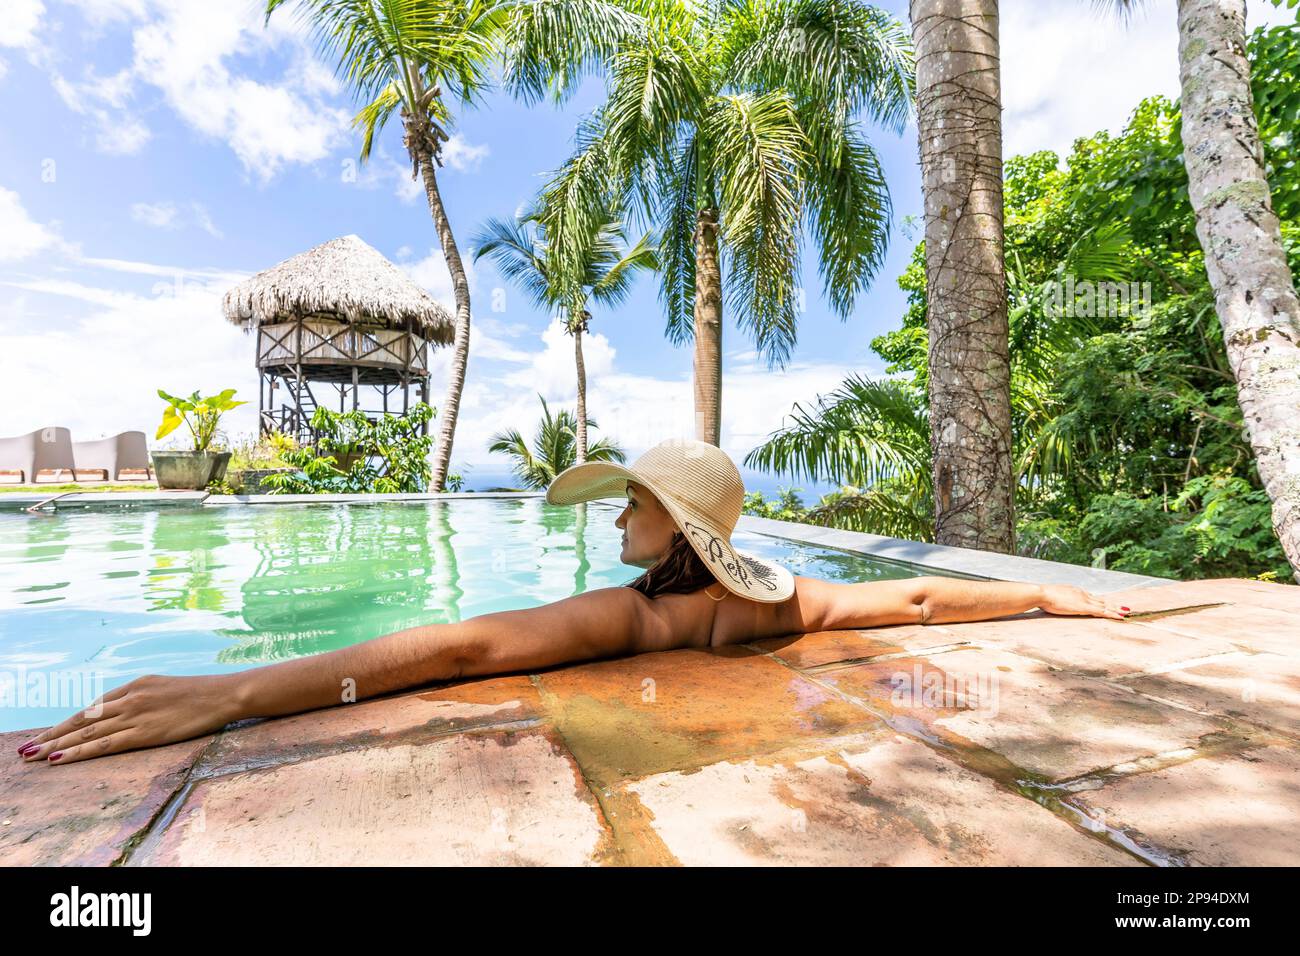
(156,152)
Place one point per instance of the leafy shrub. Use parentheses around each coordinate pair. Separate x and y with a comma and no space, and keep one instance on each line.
(264,451)
(1218,526)
(787,507)
(386,456)
(199,415)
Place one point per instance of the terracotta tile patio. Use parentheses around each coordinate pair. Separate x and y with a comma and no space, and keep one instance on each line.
(1172,738)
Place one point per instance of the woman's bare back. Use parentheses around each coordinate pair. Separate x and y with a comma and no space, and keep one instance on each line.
(711,623)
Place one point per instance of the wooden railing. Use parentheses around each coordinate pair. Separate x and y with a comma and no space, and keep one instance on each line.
(319,342)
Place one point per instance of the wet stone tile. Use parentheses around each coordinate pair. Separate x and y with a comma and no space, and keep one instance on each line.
(411,717)
(1091,646)
(1248,593)
(1226,810)
(681,709)
(1046,721)
(890,802)
(1261,688)
(482,798)
(1246,628)
(84,813)
(818,648)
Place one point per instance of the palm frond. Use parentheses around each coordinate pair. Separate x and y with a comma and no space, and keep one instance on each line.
(762,195)
(554,44)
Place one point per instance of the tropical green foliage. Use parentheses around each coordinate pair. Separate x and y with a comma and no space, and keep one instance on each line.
(1129,443)
(398,55)
(754,109)
(787,506)
(199,415)
(602,271)
(355,455)
(555,448)
(264,451)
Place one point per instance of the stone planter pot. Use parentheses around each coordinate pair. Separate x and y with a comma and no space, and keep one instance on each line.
(190,470)
(346,461)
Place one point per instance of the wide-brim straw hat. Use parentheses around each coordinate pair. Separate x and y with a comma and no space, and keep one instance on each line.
(700,487)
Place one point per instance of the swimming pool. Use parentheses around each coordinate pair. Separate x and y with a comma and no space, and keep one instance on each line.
(92,598)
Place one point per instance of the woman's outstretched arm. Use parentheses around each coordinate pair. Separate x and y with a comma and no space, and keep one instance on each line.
(939,600)
(154,710)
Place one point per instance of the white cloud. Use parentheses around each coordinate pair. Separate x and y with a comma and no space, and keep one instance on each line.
(121,135)
(160,215)
(170,336)
(20,236)
(153,269)
(204,220)
(105,100)
(166,215)
(383,170)
(100,12)
(19,22)
(1069,71)
(186,51)
(635,411)
(463,156)
(432,273)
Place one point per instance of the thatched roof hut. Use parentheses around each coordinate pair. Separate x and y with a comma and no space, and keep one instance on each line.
(344,279)
(341,316)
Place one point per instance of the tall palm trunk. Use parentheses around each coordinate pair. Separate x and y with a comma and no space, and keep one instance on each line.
(460,354)
(1254,293)
(578,325)
(708,330)
(959,122)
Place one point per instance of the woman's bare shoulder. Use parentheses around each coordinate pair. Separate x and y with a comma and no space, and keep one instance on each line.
(738,620)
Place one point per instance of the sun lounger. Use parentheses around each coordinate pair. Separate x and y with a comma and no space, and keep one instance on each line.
(44,453)
(125,455)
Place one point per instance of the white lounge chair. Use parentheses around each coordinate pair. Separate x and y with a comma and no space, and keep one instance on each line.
(45,452)
(125,455)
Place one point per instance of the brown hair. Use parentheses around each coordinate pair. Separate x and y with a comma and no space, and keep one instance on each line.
(678,571)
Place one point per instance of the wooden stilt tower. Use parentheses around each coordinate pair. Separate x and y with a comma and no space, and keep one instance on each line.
(338,323)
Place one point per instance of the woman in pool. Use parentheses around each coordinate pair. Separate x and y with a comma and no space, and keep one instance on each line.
(683,501)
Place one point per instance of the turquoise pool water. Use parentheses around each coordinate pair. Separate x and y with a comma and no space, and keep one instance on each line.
(90,599)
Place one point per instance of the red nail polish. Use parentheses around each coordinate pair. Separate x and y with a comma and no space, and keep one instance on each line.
(25,746)
(56,755)
(28,751)
(1123,609)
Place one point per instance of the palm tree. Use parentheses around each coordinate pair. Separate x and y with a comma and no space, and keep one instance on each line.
(873,437)
(959,128)
(733,125)
(602,274)
(1254,291)
(553,448)
(398,56)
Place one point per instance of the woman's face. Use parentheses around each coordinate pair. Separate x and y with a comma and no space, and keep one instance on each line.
(647,527)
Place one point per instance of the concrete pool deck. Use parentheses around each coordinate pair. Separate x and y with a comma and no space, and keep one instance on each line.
(1171,738)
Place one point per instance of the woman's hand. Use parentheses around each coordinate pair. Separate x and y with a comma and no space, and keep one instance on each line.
(1065,599)
(147,712)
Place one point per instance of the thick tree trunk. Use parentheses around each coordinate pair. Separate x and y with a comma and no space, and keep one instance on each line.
(1254,293)
(460,354)
(959,121)
(708,330)
(582,390)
